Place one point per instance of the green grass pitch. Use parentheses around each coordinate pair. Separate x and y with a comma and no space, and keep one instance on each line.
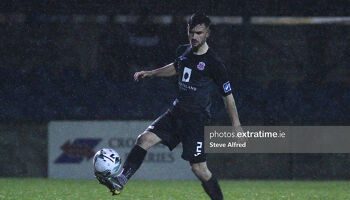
(49,189)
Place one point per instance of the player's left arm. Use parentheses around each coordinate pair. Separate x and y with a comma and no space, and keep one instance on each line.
(231,109)
(220,77)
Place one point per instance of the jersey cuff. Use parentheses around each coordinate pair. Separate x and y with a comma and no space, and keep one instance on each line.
(226,94)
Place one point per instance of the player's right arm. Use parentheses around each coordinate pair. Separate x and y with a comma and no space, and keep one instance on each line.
(166,71)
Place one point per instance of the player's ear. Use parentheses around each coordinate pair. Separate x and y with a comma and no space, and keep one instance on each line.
(208,32)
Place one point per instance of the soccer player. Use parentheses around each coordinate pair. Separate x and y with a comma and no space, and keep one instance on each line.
(196,69)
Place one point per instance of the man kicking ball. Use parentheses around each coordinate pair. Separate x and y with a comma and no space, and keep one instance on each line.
(197,67)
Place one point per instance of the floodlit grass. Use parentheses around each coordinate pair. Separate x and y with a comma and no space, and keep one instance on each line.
(48,189)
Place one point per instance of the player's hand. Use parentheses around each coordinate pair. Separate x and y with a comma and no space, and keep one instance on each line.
(239,129)
(142,74)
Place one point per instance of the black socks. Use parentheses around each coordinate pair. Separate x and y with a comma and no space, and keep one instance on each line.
(212,188)
(132,163)
(135,159)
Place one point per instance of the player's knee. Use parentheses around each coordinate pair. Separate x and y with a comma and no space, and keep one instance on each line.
(201,171)
(146,140)
(197,169)
(142,139)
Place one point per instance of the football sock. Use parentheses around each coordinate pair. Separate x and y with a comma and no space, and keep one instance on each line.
(212,188)
(132,163)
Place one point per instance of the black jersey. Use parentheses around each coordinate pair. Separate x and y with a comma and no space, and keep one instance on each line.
(196,75)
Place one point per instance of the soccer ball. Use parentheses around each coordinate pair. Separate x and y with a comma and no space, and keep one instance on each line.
(106,162)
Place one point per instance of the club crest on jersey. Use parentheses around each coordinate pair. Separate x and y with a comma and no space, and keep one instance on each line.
(201,66)
(227,87)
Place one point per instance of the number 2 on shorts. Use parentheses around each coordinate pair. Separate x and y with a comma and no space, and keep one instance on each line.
(199,148)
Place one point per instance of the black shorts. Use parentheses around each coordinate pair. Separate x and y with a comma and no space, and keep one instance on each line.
(175,126)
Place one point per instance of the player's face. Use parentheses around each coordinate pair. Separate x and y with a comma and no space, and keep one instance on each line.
(198,35)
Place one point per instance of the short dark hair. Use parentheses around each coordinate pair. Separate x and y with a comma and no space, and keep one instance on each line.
(199,18)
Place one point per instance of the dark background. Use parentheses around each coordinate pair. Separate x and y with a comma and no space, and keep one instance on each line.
(54,68)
